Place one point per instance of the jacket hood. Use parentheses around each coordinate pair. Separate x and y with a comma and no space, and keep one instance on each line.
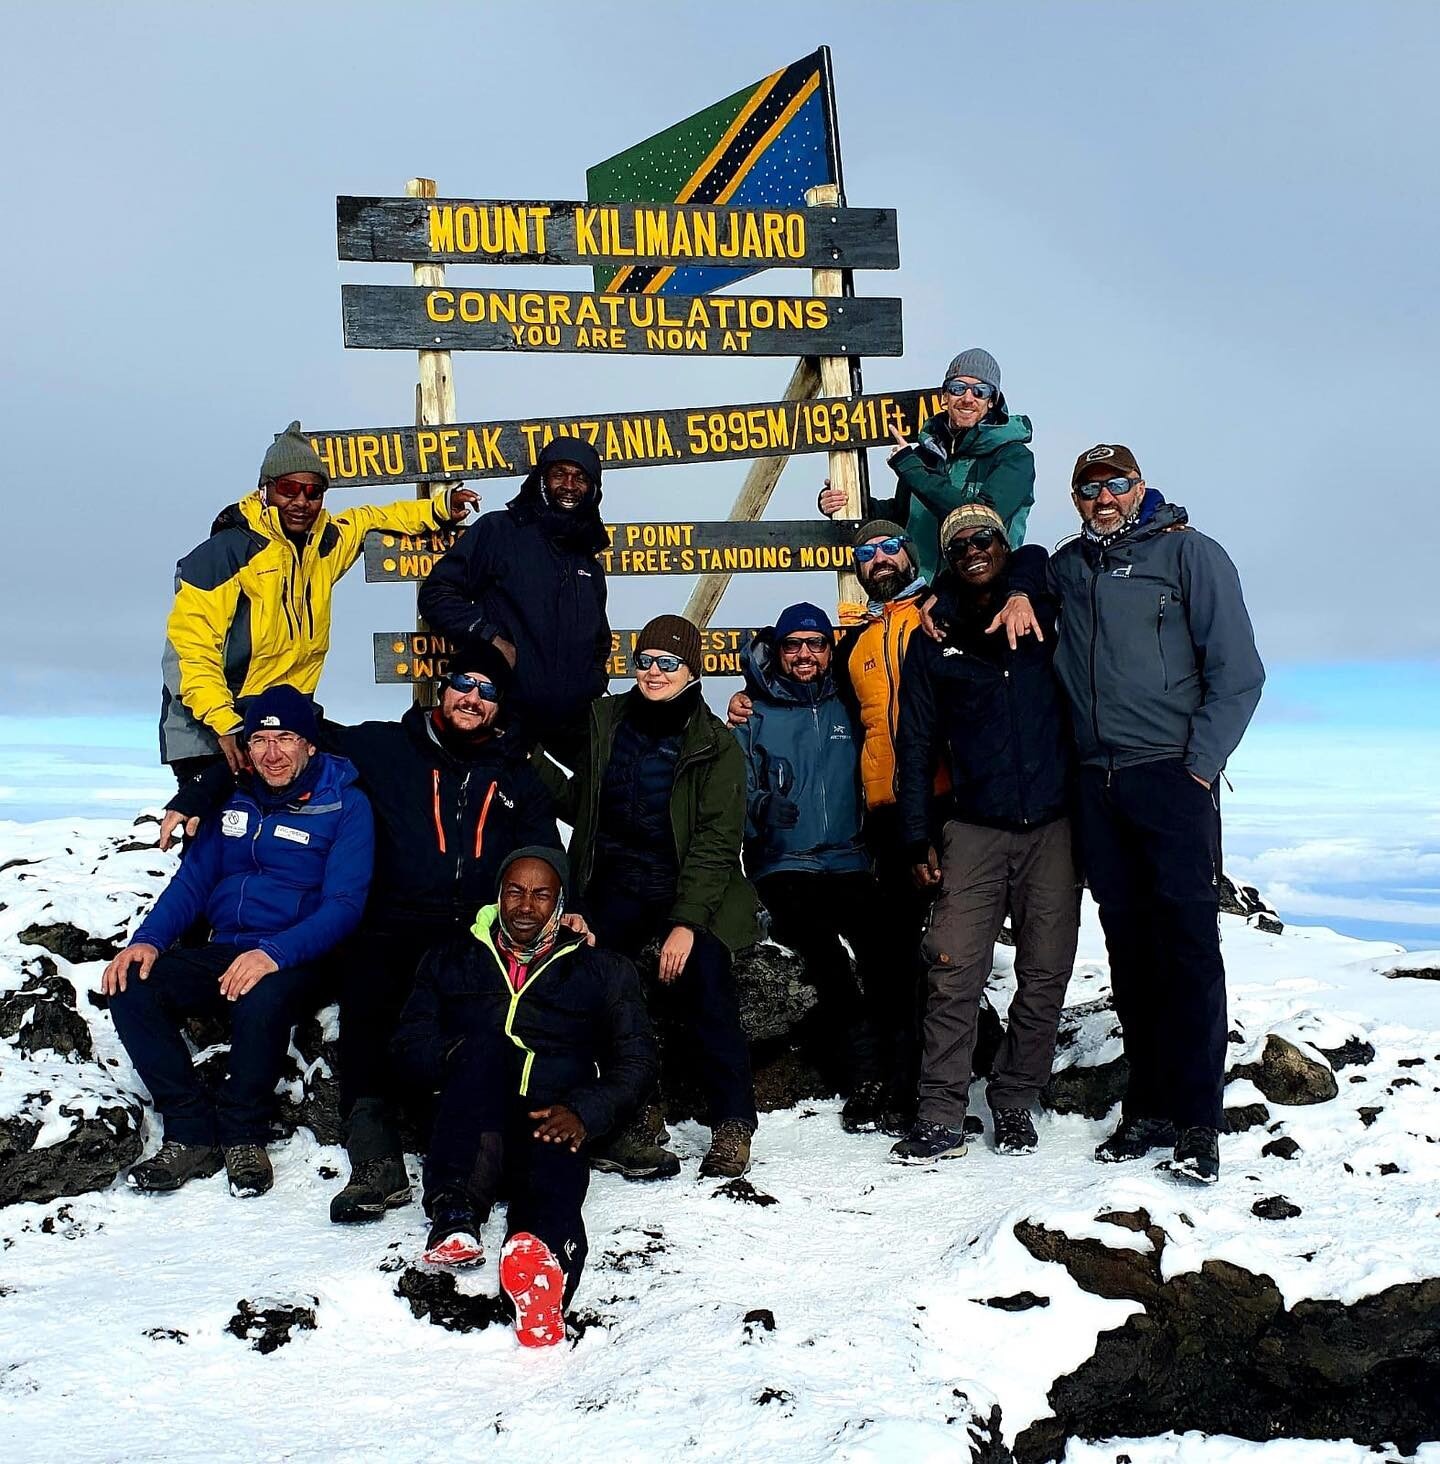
(581,529)
(985,437)
(761,669)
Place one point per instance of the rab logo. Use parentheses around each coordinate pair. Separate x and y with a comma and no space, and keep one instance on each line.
(870,663)
(507,801)
(233,823)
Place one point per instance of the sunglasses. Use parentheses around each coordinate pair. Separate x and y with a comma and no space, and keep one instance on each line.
(1091,491)
(981,539)
(864,553)
(463,683)
(668,664)
(982,391)
(290,489)
(812,643)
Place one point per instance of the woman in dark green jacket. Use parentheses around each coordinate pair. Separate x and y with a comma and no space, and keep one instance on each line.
(658,810)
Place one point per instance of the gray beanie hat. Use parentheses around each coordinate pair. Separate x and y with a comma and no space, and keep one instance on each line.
(878,529)
(291,453)
(977,363)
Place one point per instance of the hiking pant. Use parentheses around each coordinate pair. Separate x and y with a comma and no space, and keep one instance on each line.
(1150,848)
(705,998)
(809,912)
(186,982)
(376,971)
(483,1146)
(987,871)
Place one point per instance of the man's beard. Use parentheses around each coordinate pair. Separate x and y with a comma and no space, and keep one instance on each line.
(885,584)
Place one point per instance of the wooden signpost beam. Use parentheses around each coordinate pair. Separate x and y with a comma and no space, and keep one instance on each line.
(434,392)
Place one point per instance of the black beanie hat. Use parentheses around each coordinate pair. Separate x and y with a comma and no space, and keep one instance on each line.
(555,858)
(481,657)
(282,709)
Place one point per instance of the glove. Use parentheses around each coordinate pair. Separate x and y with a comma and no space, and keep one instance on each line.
(779,812)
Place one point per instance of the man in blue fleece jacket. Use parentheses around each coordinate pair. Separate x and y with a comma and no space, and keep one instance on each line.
(281,877)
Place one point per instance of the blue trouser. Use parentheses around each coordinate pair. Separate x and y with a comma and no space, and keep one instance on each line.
(1150,847)
(483,1143)
(705,996)
(186,982)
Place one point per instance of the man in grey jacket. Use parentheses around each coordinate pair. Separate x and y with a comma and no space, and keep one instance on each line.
(1157,656)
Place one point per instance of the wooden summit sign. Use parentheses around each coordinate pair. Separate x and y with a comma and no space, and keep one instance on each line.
(374,456)
(489,231)
(728,546)
(425,318)
(407,656)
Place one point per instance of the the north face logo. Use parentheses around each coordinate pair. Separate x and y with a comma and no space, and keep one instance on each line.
(269,721)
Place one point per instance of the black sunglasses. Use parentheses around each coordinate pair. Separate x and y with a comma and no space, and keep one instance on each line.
(463,682)
(1091,491)
(981,539)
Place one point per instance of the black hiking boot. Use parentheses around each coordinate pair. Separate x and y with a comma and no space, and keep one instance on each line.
(729,1155)
(927,1141)
(638,1151)
(1014,1131)
(376,1185)
(173,1165)
(248,1166)
(864,1108)
(454,1238)
(1134,1139)
(1197,1156)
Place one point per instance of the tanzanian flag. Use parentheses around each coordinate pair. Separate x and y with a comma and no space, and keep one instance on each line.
(762,147)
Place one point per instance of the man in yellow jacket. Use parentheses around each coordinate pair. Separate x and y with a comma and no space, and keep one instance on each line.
(252,603)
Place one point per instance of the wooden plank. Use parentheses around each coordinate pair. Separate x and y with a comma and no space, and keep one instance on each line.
(724,546)
(414,318)
(404,657)
(533,231)
(365,457)
(754,495)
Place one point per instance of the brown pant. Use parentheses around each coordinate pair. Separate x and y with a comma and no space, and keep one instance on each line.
(986,872)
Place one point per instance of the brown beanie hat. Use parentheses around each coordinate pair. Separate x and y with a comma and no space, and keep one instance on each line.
(675,636)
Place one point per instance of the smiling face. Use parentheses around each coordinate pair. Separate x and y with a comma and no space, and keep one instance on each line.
(527,898)
(567,485)
(977,556)
(965,411)
(297,498)
(657,684)
(887,574)
(1109,511)
(279,757)
(804,656)
(467,712)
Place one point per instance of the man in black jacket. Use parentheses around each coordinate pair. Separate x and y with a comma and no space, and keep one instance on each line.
(528,579)
(454,794)
(1158,657)
(537,1045)
(997,712)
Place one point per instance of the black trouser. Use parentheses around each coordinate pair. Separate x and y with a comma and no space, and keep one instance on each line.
(704,997)
(186,982)
(906,910)
(376,971)
(1150,846)
(809,912)
(483,1143)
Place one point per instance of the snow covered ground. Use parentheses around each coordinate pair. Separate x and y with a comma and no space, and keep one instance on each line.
(865,1284)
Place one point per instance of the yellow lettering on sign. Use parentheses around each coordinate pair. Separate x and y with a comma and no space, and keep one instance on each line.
(735,340)
(442,230)
(585,240)
(795,235)
(817,314)
(367,449)
(440,305)
(680,236)
(427,444)
(586,313)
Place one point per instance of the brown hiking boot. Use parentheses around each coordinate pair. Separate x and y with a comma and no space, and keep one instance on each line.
(175,1164)
(638,1151)
(729,1155)
(248,1167)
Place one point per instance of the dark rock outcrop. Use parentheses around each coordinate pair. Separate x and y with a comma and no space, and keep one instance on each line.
(41,1014)
(1352,1052)
(69,942)
(267,1325)
(1217,1350)
(88,1158)
(1286,1075)
(1091,1091)
(435,1296)
(1245,1116)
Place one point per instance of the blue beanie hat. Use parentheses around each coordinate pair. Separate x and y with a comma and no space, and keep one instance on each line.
(282,709)
(803,616)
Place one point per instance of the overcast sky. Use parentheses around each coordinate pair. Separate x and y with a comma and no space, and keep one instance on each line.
(1206,231)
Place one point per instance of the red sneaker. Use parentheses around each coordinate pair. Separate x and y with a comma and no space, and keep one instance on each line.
(531,1277)
(460,1248)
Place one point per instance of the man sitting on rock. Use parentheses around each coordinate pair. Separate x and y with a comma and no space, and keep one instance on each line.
(281,877)
(537,1043)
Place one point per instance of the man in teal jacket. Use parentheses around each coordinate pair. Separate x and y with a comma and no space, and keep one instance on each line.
(973,449)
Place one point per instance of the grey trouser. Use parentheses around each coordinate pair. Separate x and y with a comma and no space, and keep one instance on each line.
(986,872)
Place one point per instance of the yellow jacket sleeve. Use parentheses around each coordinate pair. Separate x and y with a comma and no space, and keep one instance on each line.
(407,516)
(199,621)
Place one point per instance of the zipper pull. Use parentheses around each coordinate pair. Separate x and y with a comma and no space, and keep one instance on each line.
(1228,783)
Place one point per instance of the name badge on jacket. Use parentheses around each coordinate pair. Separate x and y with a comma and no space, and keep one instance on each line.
(296,836)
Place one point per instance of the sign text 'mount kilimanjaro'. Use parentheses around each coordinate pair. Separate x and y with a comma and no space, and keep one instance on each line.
(490,231)
(439,318)
(365,457)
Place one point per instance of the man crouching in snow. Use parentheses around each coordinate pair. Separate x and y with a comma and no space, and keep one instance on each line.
(537,1043)
(281,877)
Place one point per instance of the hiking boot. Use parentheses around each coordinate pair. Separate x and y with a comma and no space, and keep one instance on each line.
(454,1238)
(864,1108)
(248,1166)
(729,1155)
(927,1141)
(1197,1156)
(1014,1131)
(1134,1139)
(531,1277)
(173,1165)
(376,1185)
(638,1151)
